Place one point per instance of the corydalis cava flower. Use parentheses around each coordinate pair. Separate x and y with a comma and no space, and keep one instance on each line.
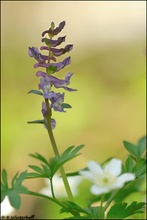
(108,178)
(48,62)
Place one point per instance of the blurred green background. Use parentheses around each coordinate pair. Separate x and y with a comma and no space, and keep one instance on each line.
(108,61)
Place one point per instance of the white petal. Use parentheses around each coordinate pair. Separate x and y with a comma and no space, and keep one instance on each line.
(89,175)
(74,181)
(46,191)
(97,190)
(94,167)
(57,181)
(6,208)
(114,167)
(47,181)
(122,179)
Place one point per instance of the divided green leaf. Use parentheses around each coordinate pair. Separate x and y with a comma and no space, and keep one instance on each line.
(39,157)
(4,178)
(123,210)
(21,178)
(15,190)
(140,167)
(14,179)
(129,164)
(15,199)
(136,150)
(141,146)
(72,207)
(131,148)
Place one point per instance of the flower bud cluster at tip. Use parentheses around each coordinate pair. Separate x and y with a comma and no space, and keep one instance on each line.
(47,80)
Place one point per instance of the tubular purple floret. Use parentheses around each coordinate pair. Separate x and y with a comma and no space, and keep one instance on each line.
(59,65)
(55,43)
(56,30)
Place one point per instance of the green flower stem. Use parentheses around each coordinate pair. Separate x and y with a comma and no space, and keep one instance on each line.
(110,199)
(51,136)
(51,199)
(51,182)
(101,209)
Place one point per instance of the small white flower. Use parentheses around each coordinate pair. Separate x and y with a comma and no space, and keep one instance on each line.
(59,188)
(6,208)
(107,178)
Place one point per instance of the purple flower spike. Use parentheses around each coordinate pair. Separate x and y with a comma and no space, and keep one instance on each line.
(56,30)
(44,112)
(47,79)
(59,65)
(57,101)
(34,52)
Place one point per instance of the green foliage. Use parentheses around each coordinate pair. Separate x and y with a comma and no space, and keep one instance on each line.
(141,145)
(82,213)
(71,206)
(37,92)
(15,189)
(136,162)
(51,69)
(47,42)
(123,210)
(52,25)
(137,167)
(140,167)
(136,150)
(96,212)
(94,199)
(43,172)
(39,157)
(128,189)
(37,122)
(65,105)
(129,164)
(70,153)
(49,168)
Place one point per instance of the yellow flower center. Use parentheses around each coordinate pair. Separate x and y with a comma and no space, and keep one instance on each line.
(105,179)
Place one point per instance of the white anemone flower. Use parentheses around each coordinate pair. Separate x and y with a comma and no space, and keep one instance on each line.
(108,178)
(59,188)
